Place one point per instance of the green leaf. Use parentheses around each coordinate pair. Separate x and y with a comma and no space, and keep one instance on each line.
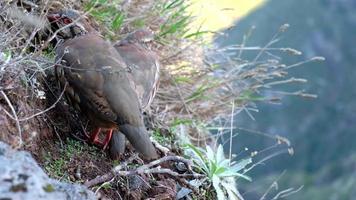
(198,154)
(118,21)
(220,156)
(220,170)
(225,163)
(241,165)
(174,4)
(210,154)
(196,34)
(229,173)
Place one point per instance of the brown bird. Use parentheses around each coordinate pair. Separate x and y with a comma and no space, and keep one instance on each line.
(97,82)
(143,64)
(143,68)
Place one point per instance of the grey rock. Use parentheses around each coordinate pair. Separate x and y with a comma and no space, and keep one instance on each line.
(21,178)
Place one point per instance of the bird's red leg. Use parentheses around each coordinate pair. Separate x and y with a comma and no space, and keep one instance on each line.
(107,138)
(94,137)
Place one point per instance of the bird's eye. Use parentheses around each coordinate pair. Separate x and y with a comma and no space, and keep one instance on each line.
(67,21)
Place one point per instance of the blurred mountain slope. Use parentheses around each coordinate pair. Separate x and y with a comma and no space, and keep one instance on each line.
(323,131)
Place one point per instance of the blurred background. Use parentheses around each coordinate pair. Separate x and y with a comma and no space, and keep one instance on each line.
(322,131)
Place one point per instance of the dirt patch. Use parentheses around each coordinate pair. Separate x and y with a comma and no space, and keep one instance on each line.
(19,101)
(74,161)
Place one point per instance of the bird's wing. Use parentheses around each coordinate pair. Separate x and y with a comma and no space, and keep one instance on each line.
(143,69)
(86,64)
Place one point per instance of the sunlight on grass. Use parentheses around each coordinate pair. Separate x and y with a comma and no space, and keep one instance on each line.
(219,14)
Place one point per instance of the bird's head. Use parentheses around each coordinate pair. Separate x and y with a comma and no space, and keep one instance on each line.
(141,36)
(70,23)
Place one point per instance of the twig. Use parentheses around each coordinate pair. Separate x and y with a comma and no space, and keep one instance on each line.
(162,148)
(158,170)
(15,117)
(274,184)
(102,185)
(187,162)
(33,34)
(111,174)
(231,130)
(266,158)
(287,192)
(176,176)
(47,109)
(145,169)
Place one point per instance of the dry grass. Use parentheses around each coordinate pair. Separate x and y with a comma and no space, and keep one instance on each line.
(22,93)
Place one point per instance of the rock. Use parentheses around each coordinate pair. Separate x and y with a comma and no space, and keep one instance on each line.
(22,179)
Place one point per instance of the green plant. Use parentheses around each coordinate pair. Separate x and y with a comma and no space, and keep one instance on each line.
(49,52)
(107,13)
(177,20)
(221,172)
(56,166)
(164,139)
(5,56)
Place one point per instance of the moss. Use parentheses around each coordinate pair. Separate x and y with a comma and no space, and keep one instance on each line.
(48,188)
(164,139)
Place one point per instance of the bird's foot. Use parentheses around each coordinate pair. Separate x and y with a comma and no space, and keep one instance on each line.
(94,138)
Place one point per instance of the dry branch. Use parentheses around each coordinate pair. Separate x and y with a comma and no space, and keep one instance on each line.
(149,169)
(15,117)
